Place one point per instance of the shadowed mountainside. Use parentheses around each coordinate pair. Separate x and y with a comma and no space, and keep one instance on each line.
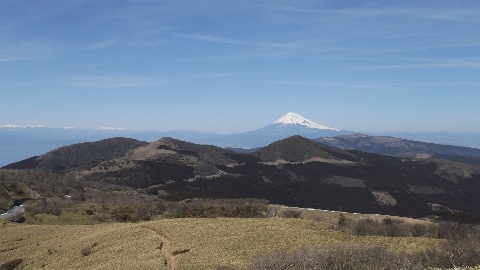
(295,171)
(159,163)
(299,149)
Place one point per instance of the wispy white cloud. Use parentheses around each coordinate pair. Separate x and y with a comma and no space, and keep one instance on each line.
(240,42)
(433,13)
(28,12)
(332,84)
(406,49)
(212,75)
(104,82)
(252,48)
(155,31)
(10,52)
(104,43)
(420,63)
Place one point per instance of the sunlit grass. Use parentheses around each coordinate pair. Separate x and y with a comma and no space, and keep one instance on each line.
(200,243)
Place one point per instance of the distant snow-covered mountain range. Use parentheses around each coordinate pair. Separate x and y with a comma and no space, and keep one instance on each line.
(17,143)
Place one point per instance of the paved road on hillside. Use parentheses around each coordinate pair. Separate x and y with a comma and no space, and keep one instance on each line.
(16,210)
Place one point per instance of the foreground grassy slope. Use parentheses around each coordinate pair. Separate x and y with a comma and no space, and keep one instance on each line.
(193,243)
(110,246)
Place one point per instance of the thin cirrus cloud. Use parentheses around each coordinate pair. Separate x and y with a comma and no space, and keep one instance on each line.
(445,14)
(211,75)
(106,82)
(251,48)
(25,52)
(421,64)
(240,42)
(333,84)
(104,43)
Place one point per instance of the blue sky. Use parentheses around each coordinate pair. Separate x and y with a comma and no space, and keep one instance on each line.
(230,66)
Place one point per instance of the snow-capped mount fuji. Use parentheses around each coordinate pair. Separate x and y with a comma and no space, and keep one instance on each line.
(292,118)
(286,126)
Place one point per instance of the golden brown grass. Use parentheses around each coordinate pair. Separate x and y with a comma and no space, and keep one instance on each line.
(196,243)
(111,246)
(232,242)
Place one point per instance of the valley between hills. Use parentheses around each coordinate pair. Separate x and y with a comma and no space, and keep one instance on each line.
(180,205)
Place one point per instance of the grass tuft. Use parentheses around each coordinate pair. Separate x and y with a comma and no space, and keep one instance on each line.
(10,265)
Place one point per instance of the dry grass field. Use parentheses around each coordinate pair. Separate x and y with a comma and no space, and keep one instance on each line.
(201,243)
(109,246)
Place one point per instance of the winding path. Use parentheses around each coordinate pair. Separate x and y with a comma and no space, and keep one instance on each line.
(165,247)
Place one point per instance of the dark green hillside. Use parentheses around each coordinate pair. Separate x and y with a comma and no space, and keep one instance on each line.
(80,155)
(293,149)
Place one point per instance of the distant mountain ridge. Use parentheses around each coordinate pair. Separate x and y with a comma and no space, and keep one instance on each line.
(18,143)
(385,145)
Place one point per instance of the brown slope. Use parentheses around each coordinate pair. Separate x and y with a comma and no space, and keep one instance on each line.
(161,162)
(76,156)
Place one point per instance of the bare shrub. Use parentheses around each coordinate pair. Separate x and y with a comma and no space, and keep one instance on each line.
(387,221)
(103,217)
(181,251)
(460,249)
(347,257)
(335,258)
(397,228)
(342,220)
(86,251)
(125,213)
(367,226)
(209,208)
(10,265)
(291,213)
(454,231)
(53,206)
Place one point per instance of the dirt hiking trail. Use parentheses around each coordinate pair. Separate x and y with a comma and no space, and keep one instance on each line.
(165,247)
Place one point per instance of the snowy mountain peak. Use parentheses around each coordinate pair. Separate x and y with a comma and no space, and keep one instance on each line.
(10,126)
(34,126)
(296,119)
